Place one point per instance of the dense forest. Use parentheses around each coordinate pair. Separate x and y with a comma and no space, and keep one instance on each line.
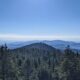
(39,61)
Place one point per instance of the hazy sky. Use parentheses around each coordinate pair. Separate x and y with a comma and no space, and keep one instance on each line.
(40,19)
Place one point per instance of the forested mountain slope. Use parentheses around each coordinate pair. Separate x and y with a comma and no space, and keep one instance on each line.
(39,61)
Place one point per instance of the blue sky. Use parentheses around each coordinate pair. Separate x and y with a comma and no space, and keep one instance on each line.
(40,19)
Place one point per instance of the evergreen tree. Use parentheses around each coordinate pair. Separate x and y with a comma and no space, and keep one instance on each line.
(70,65)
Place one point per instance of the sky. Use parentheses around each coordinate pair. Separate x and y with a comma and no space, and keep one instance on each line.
(40,20)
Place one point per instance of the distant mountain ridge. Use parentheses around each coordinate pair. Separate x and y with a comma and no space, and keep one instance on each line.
(40,46)
(59,44)
(63,44)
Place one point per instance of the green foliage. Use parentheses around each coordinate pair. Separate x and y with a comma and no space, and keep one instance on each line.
(39,62)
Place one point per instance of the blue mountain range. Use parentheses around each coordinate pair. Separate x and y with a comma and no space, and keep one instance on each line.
(59,44)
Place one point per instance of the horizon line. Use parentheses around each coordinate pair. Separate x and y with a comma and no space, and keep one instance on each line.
(16,37)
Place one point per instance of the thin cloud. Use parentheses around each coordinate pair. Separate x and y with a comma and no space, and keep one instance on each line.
(15,37)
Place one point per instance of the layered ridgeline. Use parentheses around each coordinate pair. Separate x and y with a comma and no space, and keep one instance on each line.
(39,61)
(59,44)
